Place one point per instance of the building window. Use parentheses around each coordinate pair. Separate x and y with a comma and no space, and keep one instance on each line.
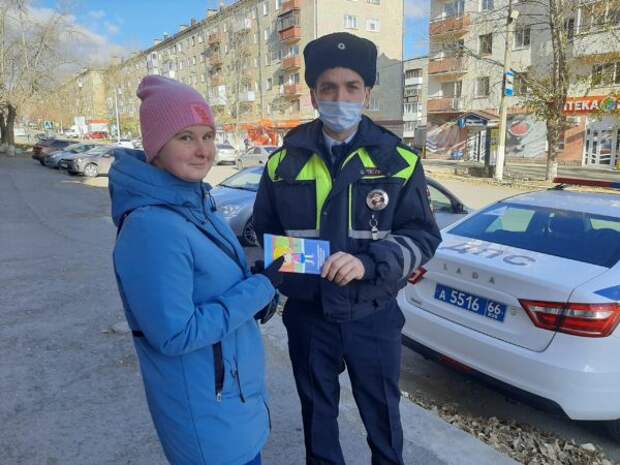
(350,22)
(193,41)
(373,25)
(451,89)
(200,39)
(455,8)
(269,83)
(266,34)
(410,108)
(296,106)
(485,44)
(278,4)
(288,20)
(265,8)
(378,79)
(522,37)
(413,73)
(607,74)
(374,2)
(486,5)
(193,60)
(483,87)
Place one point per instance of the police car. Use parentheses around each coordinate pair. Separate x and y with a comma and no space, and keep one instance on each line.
(527,292)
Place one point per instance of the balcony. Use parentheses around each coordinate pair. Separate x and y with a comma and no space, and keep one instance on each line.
(291,5)
(291,63)
(598,46)
(215,38)
(449,27)
(215,59)
(413,81)
(447,66)
(293,90)
(290,35)
(216,80)
(444,105)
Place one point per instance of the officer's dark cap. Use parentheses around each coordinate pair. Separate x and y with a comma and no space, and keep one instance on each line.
(341,50)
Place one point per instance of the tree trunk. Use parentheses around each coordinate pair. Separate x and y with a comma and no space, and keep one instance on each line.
(552,150)
(10,125)
(3,129)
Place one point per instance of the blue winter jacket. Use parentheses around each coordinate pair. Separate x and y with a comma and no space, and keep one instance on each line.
(191,308)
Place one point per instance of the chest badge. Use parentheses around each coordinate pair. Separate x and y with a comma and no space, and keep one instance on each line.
(377,199)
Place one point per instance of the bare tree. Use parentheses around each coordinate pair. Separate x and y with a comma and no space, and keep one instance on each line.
(32,48)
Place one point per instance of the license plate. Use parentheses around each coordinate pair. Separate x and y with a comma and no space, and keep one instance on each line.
(470,302)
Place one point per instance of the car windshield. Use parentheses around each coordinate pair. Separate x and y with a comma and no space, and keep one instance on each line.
(247,180)
(579,236)
(225,147)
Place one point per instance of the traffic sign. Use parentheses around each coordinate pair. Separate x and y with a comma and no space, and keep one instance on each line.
(509,79)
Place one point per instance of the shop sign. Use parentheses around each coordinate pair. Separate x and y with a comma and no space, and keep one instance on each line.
(472,121)
(591,104)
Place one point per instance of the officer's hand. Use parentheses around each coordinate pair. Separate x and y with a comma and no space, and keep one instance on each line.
(342,268)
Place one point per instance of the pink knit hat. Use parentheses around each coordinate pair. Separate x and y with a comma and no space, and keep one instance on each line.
(167,107)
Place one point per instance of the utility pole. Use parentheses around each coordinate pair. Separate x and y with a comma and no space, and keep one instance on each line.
(506,92)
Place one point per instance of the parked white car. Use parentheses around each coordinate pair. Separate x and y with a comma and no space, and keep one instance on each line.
(527,292)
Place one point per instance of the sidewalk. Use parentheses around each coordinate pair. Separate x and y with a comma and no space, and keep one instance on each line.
(428,439)
(525,171)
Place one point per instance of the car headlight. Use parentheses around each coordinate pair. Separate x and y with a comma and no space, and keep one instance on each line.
(230,210)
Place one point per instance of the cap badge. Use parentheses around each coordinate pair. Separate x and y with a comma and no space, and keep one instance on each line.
(377,199)
(342,46)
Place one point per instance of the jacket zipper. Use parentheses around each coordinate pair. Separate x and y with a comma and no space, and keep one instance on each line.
(218,364)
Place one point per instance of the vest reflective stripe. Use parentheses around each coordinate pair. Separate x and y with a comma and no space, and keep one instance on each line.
(316,170)
(412,256)
(302,232)
(412,160)
(273,163)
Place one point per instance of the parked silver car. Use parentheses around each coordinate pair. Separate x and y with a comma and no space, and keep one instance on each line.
(53,159)
(235,197)
(92,163)
(225,153)
(257,155)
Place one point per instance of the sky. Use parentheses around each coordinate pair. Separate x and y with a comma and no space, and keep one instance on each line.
(128,25)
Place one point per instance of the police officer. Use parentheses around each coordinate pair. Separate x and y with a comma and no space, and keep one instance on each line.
(344,179)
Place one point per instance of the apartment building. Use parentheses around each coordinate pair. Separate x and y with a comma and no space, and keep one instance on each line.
(467,44)
(84,94)
(414,101)
(246,59)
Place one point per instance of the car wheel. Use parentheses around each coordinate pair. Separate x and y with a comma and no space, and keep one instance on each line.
(248,235)
(42,162)
(613,427)
(90,170)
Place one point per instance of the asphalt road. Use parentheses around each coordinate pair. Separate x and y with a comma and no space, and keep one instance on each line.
(59,301)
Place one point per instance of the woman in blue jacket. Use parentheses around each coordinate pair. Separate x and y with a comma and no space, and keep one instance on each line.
(188,295)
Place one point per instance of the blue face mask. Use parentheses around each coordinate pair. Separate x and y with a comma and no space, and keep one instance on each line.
(340,116)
